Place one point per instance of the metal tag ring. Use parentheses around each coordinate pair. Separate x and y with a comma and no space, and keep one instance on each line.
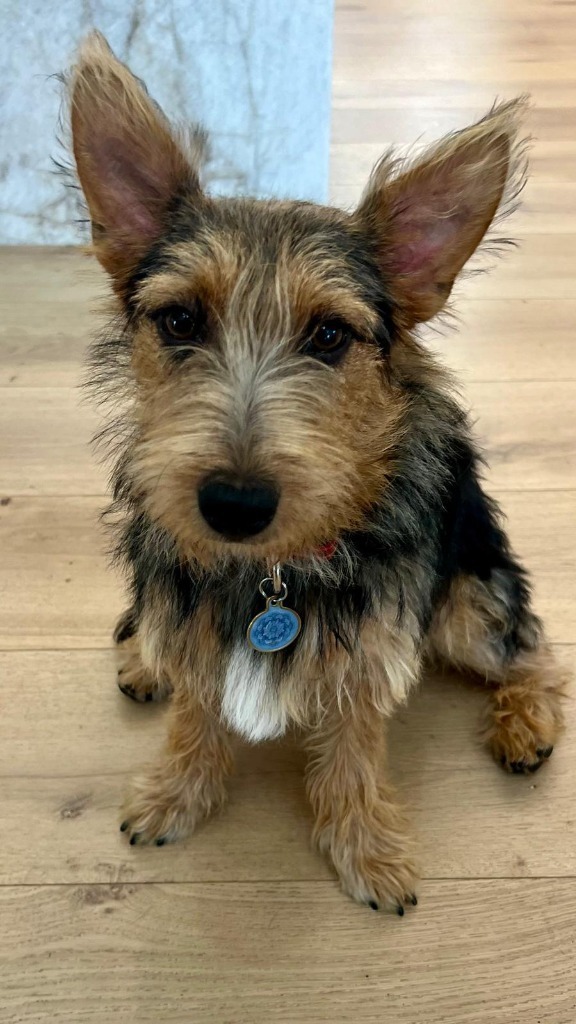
(281,595)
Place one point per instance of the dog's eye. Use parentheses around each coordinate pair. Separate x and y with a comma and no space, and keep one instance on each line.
(329,341)
(177,325)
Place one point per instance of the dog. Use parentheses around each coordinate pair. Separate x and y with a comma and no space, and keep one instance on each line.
(297,492)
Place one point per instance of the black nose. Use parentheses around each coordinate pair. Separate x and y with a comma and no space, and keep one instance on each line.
(237,510)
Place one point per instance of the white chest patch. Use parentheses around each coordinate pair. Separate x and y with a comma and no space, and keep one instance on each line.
(250,702)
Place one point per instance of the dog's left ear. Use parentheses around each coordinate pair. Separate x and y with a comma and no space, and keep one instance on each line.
(427,220)
(132,165)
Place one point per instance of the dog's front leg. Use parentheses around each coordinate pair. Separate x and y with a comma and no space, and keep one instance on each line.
(357,820)
(187,784)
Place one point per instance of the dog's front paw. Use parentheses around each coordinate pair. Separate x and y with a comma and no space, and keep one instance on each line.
(136,682)
(162,807)
(374,865)
(155,810)
(379,884)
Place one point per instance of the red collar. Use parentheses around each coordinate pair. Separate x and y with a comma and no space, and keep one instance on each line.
(327,550)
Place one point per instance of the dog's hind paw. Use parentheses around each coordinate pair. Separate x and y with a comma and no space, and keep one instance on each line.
(524,727)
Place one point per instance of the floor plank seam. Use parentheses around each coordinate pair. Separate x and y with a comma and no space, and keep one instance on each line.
(325,882)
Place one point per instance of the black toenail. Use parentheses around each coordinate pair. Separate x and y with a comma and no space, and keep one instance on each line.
(503,759)
(161,841)
(373,905)
(534,767)
(148,696)
(414,900)
(400,911)
(518,767)
(545,752)
(134,839)
(124,826)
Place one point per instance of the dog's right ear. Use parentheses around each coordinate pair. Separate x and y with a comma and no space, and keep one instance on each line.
(132,166)
(426,219)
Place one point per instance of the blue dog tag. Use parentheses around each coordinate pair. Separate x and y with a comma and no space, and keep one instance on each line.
(275,628)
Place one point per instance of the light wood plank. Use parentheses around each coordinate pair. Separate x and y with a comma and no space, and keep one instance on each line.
(507,340)
(64,270)
(541,530)
(542,266)
(472,820)
(56,299)
(498,17)
(528,431)
(56,587)
(431,44)
(54,459)
(351,92)
(474,952)
(516,19)
(413,123)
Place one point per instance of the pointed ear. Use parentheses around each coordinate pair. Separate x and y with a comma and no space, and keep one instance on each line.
(131,165)
(428,218)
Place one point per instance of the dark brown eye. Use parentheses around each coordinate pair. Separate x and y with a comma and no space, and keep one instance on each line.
(329,341)
(177,325)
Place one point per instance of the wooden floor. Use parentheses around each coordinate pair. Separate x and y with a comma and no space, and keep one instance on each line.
(244,924)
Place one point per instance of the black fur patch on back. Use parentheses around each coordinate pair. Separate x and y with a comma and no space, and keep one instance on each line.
(475,544)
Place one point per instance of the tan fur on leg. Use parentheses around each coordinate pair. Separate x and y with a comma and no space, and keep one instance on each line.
(526,715)
(358,823)
(167,801)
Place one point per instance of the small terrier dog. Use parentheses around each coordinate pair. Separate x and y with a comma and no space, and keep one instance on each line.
(301,516)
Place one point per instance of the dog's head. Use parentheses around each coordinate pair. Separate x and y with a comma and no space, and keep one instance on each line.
(268,341)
